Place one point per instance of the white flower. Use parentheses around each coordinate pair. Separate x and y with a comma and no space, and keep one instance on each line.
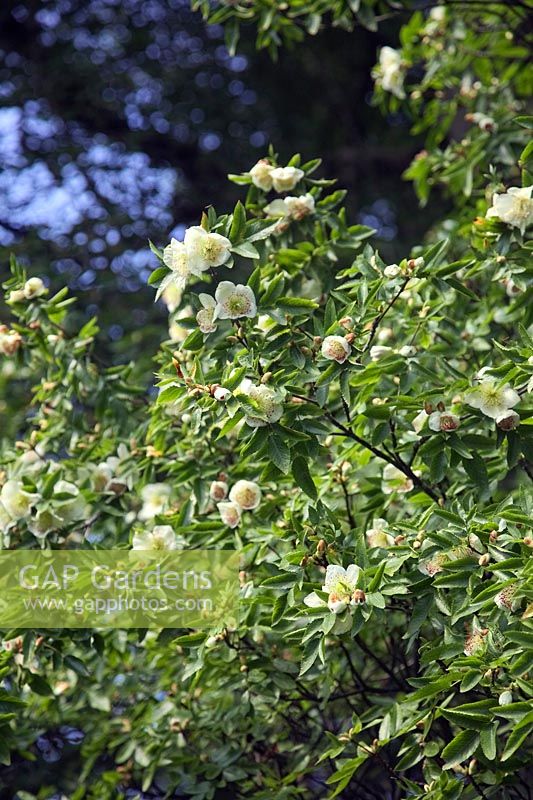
(16,500)
(376,536)
(276,208)
(299,207)
(171,296)
(420,420)
(176,258)
(269,403)
(391,71)
(391,271)
(218,490)
(34,287)
(506,598)
(10,341)
(206,316)
(234,301)
(379,351)
(43,522)
(162,537)
(285,179)
(508,420)
(491,399)
(394,480)
(340,585)
(73,509)
(230,514)
(246,494)
(475,642)
(261,175)
(515,207)
(156,499)
(205,249)
(432,565)
(336,348)
(438,13)
(407,351)
(443,421)
(16,296)
(221,394)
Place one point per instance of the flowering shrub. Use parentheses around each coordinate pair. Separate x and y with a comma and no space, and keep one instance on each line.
(361,432)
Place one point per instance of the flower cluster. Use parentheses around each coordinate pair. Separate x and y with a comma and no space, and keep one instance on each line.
(33,288)
(266,176)
(390,72)
(243,496)
(200,250)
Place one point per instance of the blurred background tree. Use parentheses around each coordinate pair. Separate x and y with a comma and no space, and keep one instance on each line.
(120,117)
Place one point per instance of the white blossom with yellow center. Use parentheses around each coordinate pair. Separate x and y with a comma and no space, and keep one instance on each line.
(16,501)
(156,499)
(205,250)
(376,536)
(339,584)
(515,207)
(492,399)
(269,403)
(162,537)
(246,494)
(206,316)
(234,301)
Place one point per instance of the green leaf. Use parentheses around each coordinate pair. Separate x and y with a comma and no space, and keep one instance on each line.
(302,476)
(246,250)
(487,738)
(279,453)
(296,305)
(524,122)
(460,748)
(519,735)
(157,275)
(238,223)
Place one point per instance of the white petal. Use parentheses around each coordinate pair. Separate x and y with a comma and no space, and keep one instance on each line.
(334,573)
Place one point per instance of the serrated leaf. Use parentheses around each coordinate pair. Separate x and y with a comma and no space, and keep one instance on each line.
(460,748)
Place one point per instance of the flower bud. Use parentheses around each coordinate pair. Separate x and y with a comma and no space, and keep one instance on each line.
(505,698)
(34,287)
(359,597)
(484,560)
(221,394)
(218,491)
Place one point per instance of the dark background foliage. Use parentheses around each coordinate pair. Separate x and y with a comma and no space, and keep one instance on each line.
(121,118)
